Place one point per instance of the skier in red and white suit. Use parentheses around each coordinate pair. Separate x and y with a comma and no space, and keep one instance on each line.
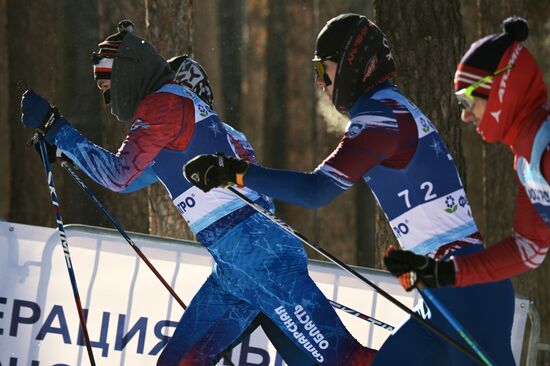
(501,91)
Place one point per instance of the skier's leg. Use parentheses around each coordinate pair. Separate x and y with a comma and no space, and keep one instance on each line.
(268,267)
(412,344)
(303,312)
(290,352)
(486,311)
(213,321)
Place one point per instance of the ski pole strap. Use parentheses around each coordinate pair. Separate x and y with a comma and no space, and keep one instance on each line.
(353,272)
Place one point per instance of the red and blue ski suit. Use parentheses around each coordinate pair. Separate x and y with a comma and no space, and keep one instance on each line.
(259,267)
(395,149)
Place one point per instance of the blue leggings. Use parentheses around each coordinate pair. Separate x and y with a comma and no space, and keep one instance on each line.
(486,311)
(260,268)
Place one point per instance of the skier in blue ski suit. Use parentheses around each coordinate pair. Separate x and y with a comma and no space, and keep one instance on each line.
(396,150)
(259,269)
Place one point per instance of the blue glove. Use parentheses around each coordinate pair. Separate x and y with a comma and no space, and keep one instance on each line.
(37,113)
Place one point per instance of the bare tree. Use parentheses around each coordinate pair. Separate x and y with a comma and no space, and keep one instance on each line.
(36,61)
(132,209)
(169,29)
(254,83)
(5,163)
(206,46)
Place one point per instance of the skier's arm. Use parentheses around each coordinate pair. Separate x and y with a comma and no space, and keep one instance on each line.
(144,179)
(310,190)
(357,153)
(525,249)
(157,124)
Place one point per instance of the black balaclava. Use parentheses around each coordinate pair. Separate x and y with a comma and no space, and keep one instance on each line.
(362,53)
(137,70)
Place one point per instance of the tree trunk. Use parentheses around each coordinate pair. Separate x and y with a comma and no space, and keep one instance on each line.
(169,29)
(425,53)
(230,18)
(35,61)
(206,46)
(131,210)
(299,101)
(77,95)
(5,163)
(254,83)
(276,67)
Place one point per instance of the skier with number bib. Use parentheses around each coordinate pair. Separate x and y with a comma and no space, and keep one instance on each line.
(395,148)
(258,270)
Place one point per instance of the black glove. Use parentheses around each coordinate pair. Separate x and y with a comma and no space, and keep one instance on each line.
(211,171)
(412,269)
(51,151)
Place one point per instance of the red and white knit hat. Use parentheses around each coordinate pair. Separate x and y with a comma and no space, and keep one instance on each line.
(484,56)
(103,59)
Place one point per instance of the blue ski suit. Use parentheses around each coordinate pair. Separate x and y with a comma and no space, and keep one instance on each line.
(259,267)
(391,145)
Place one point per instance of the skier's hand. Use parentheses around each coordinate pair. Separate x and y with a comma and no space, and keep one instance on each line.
(53,153)
(211,171)
(37,113)
(412,269)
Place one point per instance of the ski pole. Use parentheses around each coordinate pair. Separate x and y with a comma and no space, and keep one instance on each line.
(102,208)
(356,274)
(65,244)
(458,327)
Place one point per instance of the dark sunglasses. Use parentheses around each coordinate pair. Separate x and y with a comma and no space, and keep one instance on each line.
(321,72)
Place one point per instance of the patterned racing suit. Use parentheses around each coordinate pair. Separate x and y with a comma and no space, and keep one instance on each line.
(395,148)
(259,267)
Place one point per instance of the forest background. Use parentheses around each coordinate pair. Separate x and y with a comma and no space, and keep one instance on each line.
(257,54)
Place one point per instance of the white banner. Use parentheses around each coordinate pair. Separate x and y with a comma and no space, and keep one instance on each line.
(130,313)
